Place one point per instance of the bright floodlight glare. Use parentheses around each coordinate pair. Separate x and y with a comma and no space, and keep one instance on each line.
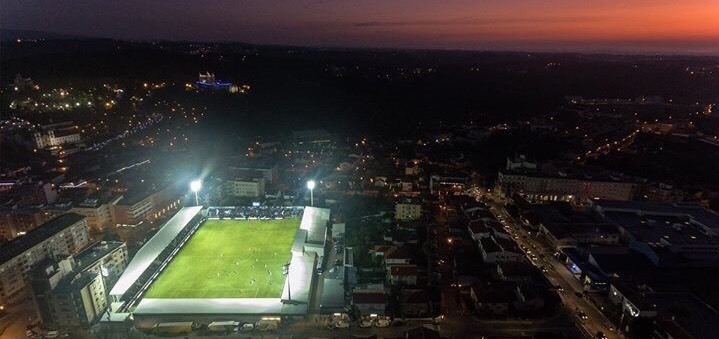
(311,184)
(195,185)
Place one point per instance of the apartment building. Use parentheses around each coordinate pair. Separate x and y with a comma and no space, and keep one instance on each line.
(64,235)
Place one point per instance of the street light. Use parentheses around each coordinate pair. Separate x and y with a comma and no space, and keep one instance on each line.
(195,186)
(311,187)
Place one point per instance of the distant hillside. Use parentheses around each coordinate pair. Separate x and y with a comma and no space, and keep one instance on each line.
(14,34)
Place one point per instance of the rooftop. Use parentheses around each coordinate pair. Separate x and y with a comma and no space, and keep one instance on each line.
(403,270)
(693,211)
(95,252)
(397,252)
(488,245)
(584,174)
(36,236)
(366,297)
(315,220)
(565,230)
(653,228)
(495,293)
(478,227)
(695,316)
(75,281)
(507,245)
(515,269)
(413,296)
(132,197)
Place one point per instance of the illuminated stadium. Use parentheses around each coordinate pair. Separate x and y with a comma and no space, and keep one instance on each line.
(224,263)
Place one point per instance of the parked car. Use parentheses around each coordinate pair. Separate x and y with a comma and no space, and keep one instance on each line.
(366,322)
(247,327)
(382,322)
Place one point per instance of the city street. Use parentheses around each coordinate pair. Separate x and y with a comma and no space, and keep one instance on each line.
(558,274)
(13,324)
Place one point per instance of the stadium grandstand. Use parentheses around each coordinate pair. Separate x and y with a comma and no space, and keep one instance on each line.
(221,263)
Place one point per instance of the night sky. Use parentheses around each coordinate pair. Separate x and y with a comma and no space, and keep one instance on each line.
(684,26)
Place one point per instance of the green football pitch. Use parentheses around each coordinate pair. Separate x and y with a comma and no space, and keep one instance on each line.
(230,259)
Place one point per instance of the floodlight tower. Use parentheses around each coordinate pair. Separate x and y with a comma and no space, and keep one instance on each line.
(311,187)
(195,186)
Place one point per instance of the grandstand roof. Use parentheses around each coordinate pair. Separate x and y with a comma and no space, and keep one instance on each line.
(315,220)
(210,306)
(149,252)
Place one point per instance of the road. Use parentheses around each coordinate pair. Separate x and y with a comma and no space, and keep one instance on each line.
(13,324)
(558,274)
(459,327)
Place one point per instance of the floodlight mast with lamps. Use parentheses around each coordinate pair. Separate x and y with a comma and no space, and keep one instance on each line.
(195,186)
(311,187)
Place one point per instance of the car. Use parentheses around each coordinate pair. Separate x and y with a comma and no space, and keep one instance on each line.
(342,324)
(29,333)
(382,322)
(582,315)
(364,323)
(601,335)
(247,327)
(52,334)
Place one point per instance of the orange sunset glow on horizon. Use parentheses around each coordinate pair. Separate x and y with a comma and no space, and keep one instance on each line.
(632,25)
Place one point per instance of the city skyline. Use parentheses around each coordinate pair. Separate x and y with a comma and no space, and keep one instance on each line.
(334,168)
(636,26)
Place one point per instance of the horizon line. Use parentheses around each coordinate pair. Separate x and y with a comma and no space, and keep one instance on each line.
(542,50)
